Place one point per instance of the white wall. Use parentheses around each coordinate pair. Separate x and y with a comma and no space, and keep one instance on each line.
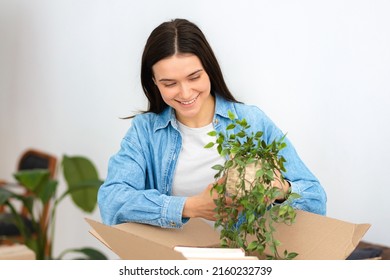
(319,69)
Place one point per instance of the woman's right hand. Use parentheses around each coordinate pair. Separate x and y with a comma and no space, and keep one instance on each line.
(202,205)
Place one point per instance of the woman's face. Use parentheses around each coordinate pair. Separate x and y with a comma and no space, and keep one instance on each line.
(185,86)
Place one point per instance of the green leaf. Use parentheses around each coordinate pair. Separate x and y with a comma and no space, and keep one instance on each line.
(291,255)
(228,164)
(209,145)
(277,243)
(230,126)
(259,173)
(217,167)
(212,133)
(224,243)
(83,182)
(251,218)
(244,123)
(270,174)
(33,179)
(224,152)
(87,253)
(258,134)
(220,139)
(48,191)
(241,134)
(294,196)
(5,195)
(231,115)
(241,149)
(283,210)
(38,182)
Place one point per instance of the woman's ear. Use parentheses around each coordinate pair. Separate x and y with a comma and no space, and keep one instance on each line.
(154,80)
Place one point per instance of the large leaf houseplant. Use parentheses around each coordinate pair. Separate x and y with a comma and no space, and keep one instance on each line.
(82,183)
(252,171)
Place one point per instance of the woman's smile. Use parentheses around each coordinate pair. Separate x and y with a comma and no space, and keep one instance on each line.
(185,86)
(189,102)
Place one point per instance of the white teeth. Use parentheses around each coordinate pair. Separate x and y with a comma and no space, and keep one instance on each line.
(188,102)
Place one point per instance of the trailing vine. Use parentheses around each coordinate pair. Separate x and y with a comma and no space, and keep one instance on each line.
(250,185)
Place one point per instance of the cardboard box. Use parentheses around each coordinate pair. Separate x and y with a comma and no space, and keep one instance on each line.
(16,252)
(312,236)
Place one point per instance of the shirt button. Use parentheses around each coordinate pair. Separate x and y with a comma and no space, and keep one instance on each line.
(216,121)
(173,224)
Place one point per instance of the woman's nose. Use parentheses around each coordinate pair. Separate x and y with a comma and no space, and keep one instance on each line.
(185,91)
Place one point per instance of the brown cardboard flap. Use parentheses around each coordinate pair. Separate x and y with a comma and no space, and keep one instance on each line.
(132,247)
(316,237)
(16,252)
(312,236)
(135,241)
(195,233)
(95,234)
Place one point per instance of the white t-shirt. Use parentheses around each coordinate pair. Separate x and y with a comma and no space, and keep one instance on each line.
(193,170)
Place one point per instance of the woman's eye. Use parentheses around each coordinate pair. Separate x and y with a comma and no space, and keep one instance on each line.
(194,78)
(170,85)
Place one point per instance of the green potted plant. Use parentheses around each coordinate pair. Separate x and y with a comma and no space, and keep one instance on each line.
(249,174)
(82,182)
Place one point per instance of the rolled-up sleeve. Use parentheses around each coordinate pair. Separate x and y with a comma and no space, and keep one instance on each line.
(132,192)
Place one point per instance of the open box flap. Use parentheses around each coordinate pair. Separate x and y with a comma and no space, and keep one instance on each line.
(316,237)
(312,236)
(132,247)
(142,242)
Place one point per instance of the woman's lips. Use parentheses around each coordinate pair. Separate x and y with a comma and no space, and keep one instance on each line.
(189,102)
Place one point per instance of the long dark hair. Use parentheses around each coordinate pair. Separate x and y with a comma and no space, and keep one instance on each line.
(172,37)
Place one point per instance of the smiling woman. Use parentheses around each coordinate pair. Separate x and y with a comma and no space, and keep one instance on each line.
(162,174)
(185,86)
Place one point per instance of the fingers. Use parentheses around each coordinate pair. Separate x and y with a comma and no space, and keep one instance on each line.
(209,196)
(221,180)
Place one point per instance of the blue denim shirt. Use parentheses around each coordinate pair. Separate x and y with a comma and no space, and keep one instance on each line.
(139,180)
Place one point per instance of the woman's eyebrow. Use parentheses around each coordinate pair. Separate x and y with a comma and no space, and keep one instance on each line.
(196,72)
(171,80)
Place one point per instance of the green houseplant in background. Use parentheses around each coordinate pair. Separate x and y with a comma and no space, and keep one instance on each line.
(82,183)
(250,172)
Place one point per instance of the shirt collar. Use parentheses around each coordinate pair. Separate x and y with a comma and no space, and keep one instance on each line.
(164,118)
(222,106)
